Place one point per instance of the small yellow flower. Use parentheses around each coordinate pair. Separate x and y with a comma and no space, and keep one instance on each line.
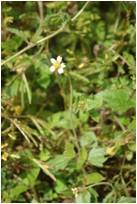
(57,65)
(5,156)
(111,151)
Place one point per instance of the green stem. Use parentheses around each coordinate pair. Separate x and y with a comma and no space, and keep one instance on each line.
(41,13)
(122,178)
(81,10)
(33,45)
(45,38)
(70,110)
(97,184)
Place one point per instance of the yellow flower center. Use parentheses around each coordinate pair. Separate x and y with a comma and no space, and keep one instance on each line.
(57,65)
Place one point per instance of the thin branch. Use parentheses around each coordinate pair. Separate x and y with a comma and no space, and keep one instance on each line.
(97,184)
(31,45)
(40,7)
(14,122)
(81,10)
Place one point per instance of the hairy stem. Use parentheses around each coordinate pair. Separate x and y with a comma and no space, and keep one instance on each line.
(31,45)
(71,116)
(40,7)
(80,11)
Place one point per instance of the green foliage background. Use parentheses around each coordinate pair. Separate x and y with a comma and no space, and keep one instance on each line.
(70,137)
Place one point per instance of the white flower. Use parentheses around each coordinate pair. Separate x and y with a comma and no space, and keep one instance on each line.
(57,65)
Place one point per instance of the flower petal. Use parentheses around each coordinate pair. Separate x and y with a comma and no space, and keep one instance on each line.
(53,61)
(63,65)
(52,68)
(60,70)
(59,59)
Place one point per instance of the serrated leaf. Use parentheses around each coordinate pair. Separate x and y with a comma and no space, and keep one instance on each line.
(118,99)
(88,138)
(97,157)
(24,35)
(96,102)
(93,178)
(59,162)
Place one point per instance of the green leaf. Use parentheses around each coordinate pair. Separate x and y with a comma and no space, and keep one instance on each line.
(93,178)
(79,77)
(97,157)
(60,186)
(58,163)
(13,88)
(24,35)
(132,125)
(132,147)
(56,20)
(97,101)
(129,58)
(24,184)
(129,155)
(81,158)
(83,116)
(83,197)
(124,199)
(109,198)
(88,138)
(69,151)
(42,71)
(12,44)
(94,195)
(64,120)
(27,88)
(44,154)
(44,167)
(118,99)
